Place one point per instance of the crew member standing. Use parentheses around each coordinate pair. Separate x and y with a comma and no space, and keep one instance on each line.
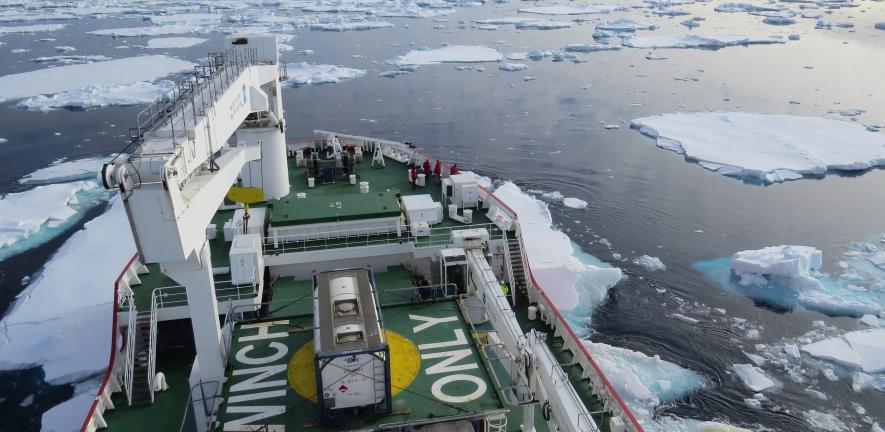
(427,171)
(454,170)
(437,169)
(413,173)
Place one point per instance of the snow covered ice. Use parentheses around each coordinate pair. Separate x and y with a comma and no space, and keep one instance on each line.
(753,377)
(573,9)
(765,147)
(448,54)
(174,42)
(650,263)
(66,331)
(512,67)
(863,350)
(696,41)
(788,276)
(96,95)
(575,203)
(308,73)
(73,77)
(569,276)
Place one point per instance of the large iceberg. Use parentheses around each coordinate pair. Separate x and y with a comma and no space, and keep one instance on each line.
(308,73)
(572,279)
(786,277)
(62,321)
(696,41)
(765,147)
(449,54)
(74,77)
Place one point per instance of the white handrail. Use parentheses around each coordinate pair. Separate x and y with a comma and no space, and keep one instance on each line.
(308,242)
(152,347)
(130,349)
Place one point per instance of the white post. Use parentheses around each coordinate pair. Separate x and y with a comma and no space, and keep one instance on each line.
(195,275)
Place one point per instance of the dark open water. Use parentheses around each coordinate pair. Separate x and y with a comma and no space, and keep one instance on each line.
(547,134)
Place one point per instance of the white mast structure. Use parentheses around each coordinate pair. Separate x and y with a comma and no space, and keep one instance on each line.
(184,162)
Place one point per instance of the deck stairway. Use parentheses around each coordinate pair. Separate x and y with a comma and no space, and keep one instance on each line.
(141,379)
(518,270)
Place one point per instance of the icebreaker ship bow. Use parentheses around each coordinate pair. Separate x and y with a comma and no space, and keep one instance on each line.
(364,284)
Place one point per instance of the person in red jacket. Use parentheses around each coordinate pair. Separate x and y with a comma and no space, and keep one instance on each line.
(413,173)
(454,170)
(437,169)
(426,167)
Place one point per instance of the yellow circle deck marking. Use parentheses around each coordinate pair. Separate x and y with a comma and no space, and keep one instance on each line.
(405,361)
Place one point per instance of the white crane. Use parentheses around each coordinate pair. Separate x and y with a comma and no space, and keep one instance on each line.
(182,164)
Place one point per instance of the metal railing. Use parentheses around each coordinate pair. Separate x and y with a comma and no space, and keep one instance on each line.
(130,349)
(612,401)
(152,345)
(439,236)
(192,95)
(208,404)
(94,415)
(176,295)
(227,332)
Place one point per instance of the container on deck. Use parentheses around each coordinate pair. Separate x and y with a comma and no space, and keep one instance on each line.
(352,179)
(311,182)
(421,180)
(301,195)
(364,187)
(351,351)
(533,313)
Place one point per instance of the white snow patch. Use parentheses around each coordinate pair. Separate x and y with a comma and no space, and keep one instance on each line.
(650,263)
(696,41)
(73,77)
(174,42)
(67,331)
(449,54)
(309,73)
(824,422)
(148,31)
(575,203)
(31,28)
(573,9)
(96,95)
(66,170)
(862,349)
(753,377)
(766,147)
(624,25)
(561,269)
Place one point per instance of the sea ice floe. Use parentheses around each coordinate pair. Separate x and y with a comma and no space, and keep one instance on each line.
(573,279)
(187,18)
(304,73)
(149,31)
(573,9)
(862,349)
(575,203)
(787,277)
(65,171)
(96,95)
(753,377)
(73,77)
(624,25)
(35,216)
(350,25)
(644,382)
(67,331)
(591,47)
(68,59)
(824,422)
(448,54)
(68,415)
(512,67)
(174,42)
(650,263)
(696,41)
(765,148)
(526,23)
(31,28)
